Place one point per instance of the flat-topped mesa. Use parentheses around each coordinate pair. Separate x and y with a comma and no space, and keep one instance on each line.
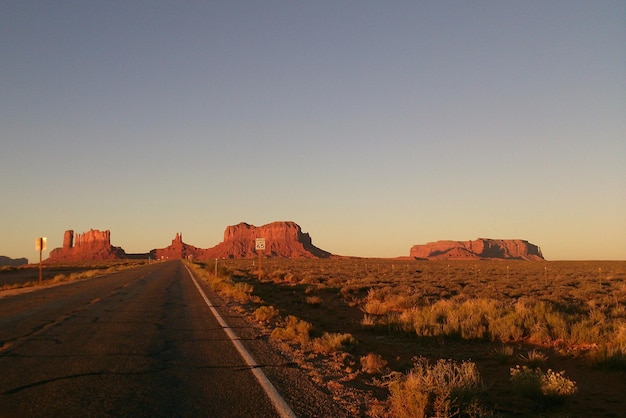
(481,248)
(282,239)
(90,245)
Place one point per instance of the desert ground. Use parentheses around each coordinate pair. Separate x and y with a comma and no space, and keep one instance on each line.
(361,327)
(566,317)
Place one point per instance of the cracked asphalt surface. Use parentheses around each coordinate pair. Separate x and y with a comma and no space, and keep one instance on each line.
(139,342)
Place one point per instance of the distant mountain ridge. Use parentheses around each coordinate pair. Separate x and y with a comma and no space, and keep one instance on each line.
(12,262)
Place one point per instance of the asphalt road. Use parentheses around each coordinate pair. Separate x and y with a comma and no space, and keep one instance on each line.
(138,343)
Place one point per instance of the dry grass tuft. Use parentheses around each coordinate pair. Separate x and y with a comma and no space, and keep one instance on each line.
(332,342)
(266,313)
(373,364)
(292,329)
(547,389)
(444,389)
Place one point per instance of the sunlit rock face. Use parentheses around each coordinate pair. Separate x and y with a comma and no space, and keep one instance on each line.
(90,245)
(481,248)
(178,250)
(282,239)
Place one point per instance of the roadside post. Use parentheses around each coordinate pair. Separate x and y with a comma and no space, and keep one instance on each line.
(40,245)
(259,245)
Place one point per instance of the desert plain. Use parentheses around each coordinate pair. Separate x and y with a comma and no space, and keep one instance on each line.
(360,327)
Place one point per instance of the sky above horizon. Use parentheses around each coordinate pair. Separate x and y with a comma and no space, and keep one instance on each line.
(373,125)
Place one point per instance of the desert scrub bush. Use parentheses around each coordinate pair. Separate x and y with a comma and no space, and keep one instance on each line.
(611,354)
(331,342)
(444,389)
(483,318)
(16,286)
(313,300)
(292,329)
(368,320)
(424,321)
(505,327)
(373,364)
(547,389)
(241,292)
(209,267)
(592,328)
(266,313)
(504,353)
(470,319)
(282,276)
(607,356)
(534,358)
(376,302)
(375,307)
(59,278)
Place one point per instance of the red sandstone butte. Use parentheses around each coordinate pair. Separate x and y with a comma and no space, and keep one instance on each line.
(178,250)
(481,248)
(90,245)
(282,239)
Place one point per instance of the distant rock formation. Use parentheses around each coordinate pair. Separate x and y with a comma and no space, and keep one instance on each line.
(90,245)
(282,239)
(481,248)
(177,250)
(13,262)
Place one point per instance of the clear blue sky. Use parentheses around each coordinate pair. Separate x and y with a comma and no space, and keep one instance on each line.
(374,125)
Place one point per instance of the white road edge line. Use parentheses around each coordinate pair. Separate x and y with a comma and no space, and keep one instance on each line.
(279,403)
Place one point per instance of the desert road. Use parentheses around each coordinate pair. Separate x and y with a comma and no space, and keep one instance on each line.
(140,342)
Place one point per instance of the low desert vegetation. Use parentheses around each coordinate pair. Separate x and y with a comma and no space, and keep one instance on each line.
(266,313)
(332,342)
(292,329)
(546,389)
(373,364)
(55,274)
(224,284)
(517,318)
(443,389)
(534,358)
